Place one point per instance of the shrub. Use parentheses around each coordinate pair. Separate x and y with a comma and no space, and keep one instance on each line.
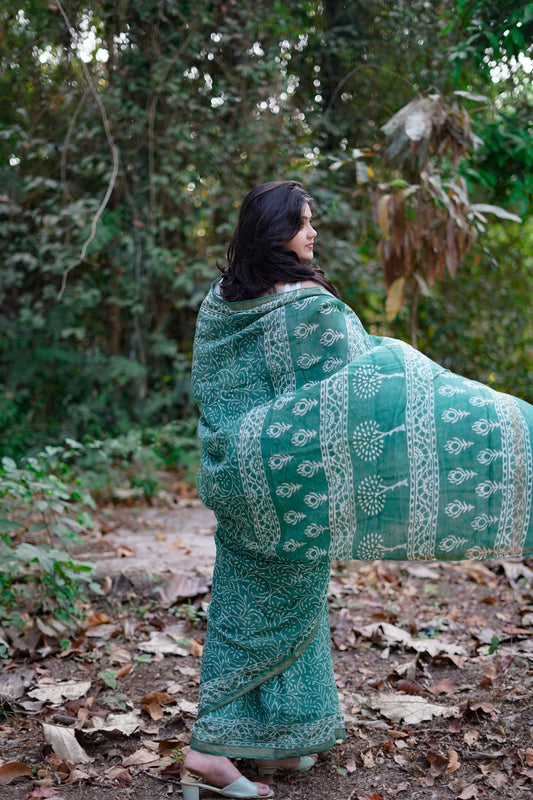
(40,516)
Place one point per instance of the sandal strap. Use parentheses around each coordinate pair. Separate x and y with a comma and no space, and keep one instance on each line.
(241,789)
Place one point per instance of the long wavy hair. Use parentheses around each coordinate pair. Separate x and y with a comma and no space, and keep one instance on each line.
(257,257)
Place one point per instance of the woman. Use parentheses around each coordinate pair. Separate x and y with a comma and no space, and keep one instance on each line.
(321,442)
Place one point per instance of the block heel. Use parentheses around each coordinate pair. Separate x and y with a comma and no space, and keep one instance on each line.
(190,792)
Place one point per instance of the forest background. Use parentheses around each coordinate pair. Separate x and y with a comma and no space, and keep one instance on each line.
(129,133)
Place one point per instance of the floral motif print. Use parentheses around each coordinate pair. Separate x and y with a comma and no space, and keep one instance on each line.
(321,442)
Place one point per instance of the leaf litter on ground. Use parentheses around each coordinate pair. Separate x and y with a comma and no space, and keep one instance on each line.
(427,704)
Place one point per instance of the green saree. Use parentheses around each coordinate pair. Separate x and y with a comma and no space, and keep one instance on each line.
(321,442)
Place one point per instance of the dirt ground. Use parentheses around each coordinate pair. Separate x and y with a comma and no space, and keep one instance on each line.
(434,665)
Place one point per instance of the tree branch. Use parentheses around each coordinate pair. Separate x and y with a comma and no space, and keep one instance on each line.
(114,153)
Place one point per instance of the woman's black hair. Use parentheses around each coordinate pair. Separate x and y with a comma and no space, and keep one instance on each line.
(257,257)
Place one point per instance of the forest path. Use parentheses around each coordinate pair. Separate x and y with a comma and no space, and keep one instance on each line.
(153,540)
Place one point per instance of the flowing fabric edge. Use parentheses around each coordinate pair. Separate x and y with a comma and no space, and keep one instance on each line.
(267,753)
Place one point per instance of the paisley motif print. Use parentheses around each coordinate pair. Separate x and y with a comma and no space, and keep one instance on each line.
(321,442)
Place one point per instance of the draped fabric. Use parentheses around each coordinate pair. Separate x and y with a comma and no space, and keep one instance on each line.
(321,442)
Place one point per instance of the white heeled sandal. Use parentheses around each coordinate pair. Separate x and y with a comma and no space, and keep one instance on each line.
(304,763)
(241,789)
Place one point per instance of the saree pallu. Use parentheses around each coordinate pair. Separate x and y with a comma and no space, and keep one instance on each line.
(321,442)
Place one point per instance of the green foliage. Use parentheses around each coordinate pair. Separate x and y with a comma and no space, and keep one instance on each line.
(481,326)
(138,460)
(109,678)
(123,158)
(41,515)
(192,613)
(91,347)
(487,27)
(490,51)
(117,701)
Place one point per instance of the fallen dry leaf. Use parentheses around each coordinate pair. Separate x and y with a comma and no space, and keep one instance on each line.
(398,735)
(494,776)
(172,728)
(13,684)
(404,786)
(175,688)
(154,711)
(529,756)
(421,571)
(453,762)
(78,774)
(471,736)
(468,793)
(151,704)
(59,767)
(478,573)
(437,768)
(166,643)
(42,792)
(496,735)
(151,745)
(125,552)
(408,670)
(182,586)
(385,633)
(444,686)
(56,693)
(142,756)
(368,759)
(410,687)
(458,661)
(127,724)
(489,676)
(489,601)
(514,630)
(409,709)
(436,647)
(163,698)
(515,570)
(486,708)
(106,631)
(64,744)
(53,627)
(119,655)
(195,648)
(118,774)
(12,770)
(191,709)
(95,618)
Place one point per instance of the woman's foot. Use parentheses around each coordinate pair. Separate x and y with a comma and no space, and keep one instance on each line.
(216,770)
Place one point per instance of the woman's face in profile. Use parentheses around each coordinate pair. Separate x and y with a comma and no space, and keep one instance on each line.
(302,242)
